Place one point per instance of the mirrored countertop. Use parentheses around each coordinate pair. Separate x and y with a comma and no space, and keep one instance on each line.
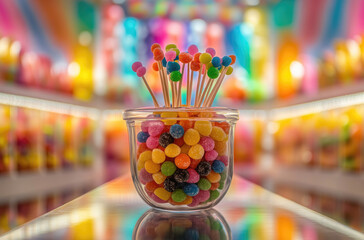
(115,211)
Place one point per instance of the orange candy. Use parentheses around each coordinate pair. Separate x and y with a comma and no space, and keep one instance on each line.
(186,124)
(224,125)
(141,148)
(182,161)
(158,54)
(214,186)
(155,66)
(214,177)
(233,59)
(154,46)
(196,57)
(185,57)
(151,186)
(195,66)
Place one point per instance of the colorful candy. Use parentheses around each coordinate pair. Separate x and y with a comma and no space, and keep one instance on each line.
(196,151)
(182,161)
(207,143)
(162,193)
(203,168)
(142,137)
(172,150)
(176,131)
(218,166)
(218,134)
(181,175)
(203,127)
(191,137)
(152,167)
(194,176)
(179,195)
(191,189)
(165,139)
(158,156)
(168,168)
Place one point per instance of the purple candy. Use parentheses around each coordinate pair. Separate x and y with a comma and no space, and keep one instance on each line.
(152,142)
(194,177)
(207,143)
(144,176)
(202,196)
(211,155)
(155,128)
(224,159)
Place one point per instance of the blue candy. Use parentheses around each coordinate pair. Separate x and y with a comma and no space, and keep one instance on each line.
(216,62)
(173,66)
(164,62)
(226,60)
(177,58)
(218,166)
(191,189)
(192,234)
(142,137)
(176,131)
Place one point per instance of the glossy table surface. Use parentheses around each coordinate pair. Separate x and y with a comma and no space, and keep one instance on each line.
(115,211)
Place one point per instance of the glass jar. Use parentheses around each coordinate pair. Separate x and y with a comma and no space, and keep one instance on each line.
(181,158)
(205,224)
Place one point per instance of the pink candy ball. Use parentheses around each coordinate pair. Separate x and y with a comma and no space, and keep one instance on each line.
(193,49)
(155,128)
(144,126)
(144,176)
(194,176)
(194,203)
(141,71)
(211,51)
(170,55)
(136,66)
(207,143)
(211,155)
(152,142)
(224,159)
(202,196)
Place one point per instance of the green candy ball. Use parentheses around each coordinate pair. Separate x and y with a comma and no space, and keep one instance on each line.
(214,194)
(176,76)
(213,73)
(179,195)
(168,168)
(204,184)
(170,46)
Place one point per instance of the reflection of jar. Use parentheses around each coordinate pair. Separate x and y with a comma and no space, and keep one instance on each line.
(206,224)
(181,159)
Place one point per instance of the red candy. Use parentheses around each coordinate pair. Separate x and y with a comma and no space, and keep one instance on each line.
(151,186)
(195,66)
(233,59)
(185,57)
(179,141)
(155,66)
(141,148)
(141,71)
(186,124)
(158,54)
(194,163)
(154,46)
(196,57)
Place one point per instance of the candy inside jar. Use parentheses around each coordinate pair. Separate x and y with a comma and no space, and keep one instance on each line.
(181,158)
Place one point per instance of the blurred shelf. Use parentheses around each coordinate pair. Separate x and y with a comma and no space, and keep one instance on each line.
(52,101)
(37,183)
(332,182)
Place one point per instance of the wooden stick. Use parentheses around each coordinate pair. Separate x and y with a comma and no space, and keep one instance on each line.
(161,76)
(172,88)
(215,86)
(208,92)
(190,94)
(166,84)
(198,85)
(188,84)
(151,93)
(209,81)
(214,93)
(202,86)
(179,97)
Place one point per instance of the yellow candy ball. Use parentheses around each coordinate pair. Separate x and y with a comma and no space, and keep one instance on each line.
(169,115)
(220,147)
(203,127)
(158,156)
(191,137)
(172,150)
(170,46)
(152,167)
(162,193)
(143,157)
(196,152)
(205,58)
(229,70)
(159,177)
(218,134)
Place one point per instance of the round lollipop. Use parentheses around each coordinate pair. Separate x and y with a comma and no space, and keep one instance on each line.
(136,65)
(211,51)
(193,49)
(170,55)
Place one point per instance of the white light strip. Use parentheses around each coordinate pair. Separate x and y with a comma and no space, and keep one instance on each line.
(49,106)
(317,106)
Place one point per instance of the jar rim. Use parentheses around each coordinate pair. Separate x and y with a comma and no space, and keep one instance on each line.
(230,114)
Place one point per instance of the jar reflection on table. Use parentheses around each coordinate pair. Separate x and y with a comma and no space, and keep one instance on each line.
(206,224)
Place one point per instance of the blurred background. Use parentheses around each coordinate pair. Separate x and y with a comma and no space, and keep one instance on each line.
(65,72)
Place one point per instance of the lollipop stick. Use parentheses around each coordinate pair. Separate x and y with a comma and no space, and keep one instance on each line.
(188,83)
(180,87)
(198,86)
(217,86)
(204,92)
(208,92)
(150,91)
(190,93)
(201,87)
(163,85)
(172,90)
